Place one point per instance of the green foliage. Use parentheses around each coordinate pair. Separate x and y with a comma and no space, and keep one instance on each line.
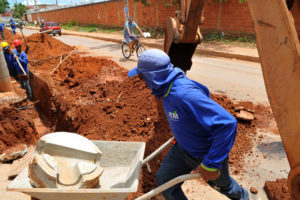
(242,39)
(69,25)
(19,10)
(4,5)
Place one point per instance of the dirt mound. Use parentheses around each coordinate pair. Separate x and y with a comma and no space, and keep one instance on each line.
(277,190)
(16,127)
(41,46)
(44,46)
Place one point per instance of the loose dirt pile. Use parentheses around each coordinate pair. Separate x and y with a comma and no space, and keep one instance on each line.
(277,190)
(44,46)
(41,46)
(16,127)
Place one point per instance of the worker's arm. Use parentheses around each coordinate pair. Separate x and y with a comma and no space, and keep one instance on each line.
(138,28)
(215,120)
(128,31)
(23,58)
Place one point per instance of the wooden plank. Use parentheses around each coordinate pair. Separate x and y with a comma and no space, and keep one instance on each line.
(279,53)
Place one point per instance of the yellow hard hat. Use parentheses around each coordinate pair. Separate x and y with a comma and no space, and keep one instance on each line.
(4,44)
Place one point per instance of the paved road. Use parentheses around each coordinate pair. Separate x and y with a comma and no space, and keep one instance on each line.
(239,80)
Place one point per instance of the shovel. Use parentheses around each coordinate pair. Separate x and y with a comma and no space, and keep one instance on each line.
(27,45)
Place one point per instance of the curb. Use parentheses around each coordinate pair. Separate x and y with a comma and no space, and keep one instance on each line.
(199,51)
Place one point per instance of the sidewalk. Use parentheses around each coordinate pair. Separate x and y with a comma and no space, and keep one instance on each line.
(223,50)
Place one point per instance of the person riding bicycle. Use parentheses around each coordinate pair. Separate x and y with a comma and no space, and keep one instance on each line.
(129,36)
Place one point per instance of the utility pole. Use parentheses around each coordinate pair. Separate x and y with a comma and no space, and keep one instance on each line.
(5,82)
(37,12)
(56,3)
(27,3)
(126,10)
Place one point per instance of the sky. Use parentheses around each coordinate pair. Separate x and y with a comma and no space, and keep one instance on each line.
(60,2)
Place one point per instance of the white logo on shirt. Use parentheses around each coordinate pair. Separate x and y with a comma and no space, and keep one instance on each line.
(173,116)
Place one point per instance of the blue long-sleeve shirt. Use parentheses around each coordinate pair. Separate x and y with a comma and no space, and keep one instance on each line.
(1,27)
(12,24)
(9,58)
(23,60)
(203,128)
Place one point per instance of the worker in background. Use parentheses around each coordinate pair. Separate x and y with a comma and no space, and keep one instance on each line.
(13,26)
(23,78)
(2,31)
(9,58)
(129,36)
(204,131)
(42,23)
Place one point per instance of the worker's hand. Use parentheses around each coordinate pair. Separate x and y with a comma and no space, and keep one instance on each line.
(205,174)
(16,57)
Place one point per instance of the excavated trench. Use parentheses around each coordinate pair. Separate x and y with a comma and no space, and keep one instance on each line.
(94,98)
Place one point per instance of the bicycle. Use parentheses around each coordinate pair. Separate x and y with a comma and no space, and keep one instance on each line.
(138,47)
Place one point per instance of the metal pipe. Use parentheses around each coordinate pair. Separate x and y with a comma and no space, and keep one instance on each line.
(5,82)
(157,151)
(50,30)
(167,185)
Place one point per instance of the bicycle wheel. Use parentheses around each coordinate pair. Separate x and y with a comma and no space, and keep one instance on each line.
(126,50)
(140,48)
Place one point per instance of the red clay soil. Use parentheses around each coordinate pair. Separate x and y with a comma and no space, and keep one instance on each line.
(44,46)
(277,190)
(41,46)
(16,127)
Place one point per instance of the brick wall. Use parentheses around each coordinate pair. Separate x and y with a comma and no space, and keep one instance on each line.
(228,16)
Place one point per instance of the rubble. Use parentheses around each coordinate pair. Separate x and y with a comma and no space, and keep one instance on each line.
(253,190)
(244,115)
(13,153)
(277,190)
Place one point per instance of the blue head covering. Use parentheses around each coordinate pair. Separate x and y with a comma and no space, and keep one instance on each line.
(157,70)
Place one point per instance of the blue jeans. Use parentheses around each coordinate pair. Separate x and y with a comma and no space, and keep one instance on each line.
(13,30)
(178,162)
(25,84)
(129,39)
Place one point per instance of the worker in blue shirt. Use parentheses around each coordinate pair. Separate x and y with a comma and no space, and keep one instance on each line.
(129,36)
(204,131)
(9,58)
(22,70)
(2,31)
(13,26)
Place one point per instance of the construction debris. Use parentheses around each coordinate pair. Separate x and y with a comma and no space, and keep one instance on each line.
(13,153)
(244,115)
(253,190)
(277,190)
(65,160)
